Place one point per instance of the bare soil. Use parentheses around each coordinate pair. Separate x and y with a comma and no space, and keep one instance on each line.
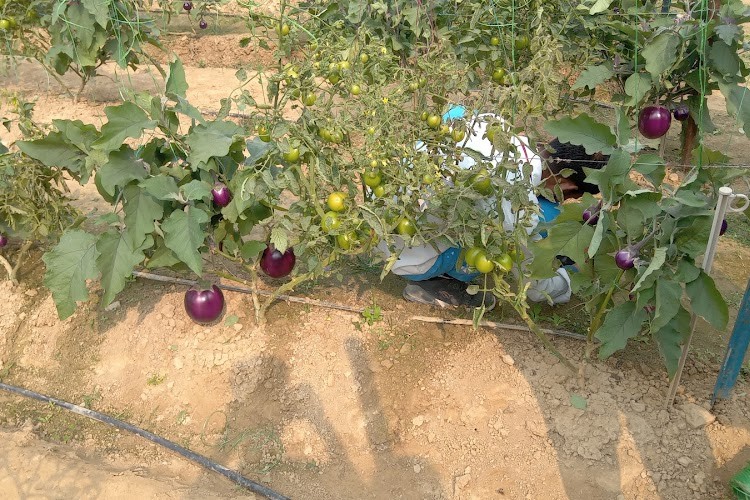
(320,404)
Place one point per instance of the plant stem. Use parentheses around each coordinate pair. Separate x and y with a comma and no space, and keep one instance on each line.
(21,254)
(596,322)
(521,309)
(9,269)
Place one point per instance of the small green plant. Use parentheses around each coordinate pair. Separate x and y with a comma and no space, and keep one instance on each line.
(156,379)
(372,314)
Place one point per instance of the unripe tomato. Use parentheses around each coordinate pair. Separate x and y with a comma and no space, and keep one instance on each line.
(458,134)
(263,133)
(4,24)
(363,58)
(495,41)
(471,255)
(372,178)
(379,191)
(336,201)
(292,155)
(413,86)
(330,222)
(424,116)
(371,130)
(406,227)
(428,179)
(346,241)
(344,65)
(283,29)
(483,264)
(522,42)
(309,99)
(334,78)
(498,76)
(505,262)
(433,121)
(355,90)
(481,182)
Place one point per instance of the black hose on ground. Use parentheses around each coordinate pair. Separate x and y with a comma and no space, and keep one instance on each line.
(195,457)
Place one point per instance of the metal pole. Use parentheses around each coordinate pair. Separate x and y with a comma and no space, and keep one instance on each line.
(725,196)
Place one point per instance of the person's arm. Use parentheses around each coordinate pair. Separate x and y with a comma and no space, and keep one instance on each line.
(554,290)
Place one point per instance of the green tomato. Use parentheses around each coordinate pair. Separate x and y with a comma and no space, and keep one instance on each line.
(522,42)
(336,201)
(283,29)
(363,58)
(495,41)
(498,76)
(337,137)
(4,24)
(330,222)
(334,78)
(424,116)
(292,155)
(482,183)
(325,134)
(433,121)
(428,179)
(471,255)
(344,65)
(347,240)
(355,89)
(406,227)
(379,191)
(505,262)
(309,99)
(371,130)
(458,134)
(372,178)
(483,264)
(413,86)
(263,134)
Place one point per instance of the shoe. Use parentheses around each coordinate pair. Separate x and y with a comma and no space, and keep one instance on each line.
(441,292)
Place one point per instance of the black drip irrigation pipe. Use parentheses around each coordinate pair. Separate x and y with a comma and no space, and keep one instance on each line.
(195,457)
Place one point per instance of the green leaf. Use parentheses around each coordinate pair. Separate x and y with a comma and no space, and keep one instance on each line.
(279,239)
(637,86)
(686,271)
(636,208)
(566,238)
(121,168)
(584,131)
(622,126)
(693,238)
(671,337)
(622,323)
(252,249)
(724,59)
(161,187)
(141,211)
(593,76)
(577,401)
(613,174)
(600,6)
(668,302)
(706,156)
(54,151)
(213,139)
(162,257)
(257,149)
(184,236)
(728,33)
(69,265)
(231,320)
(738,104)
(596,239)
(176,83)
(124,121)
(653,271)
(651,166)
(661,53)
(707,302)
(99,9)
(116,261)
(196,190)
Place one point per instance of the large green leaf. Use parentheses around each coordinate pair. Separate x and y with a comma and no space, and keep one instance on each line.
(671,337)
(124,121)
(69,265)
(738,103)
(593,76)
(724,60)
(176,83)
(213,139)
(668,297)
(121,168)
(184,235)
(653,271)
(693,238)
(566,238)
(652,167)
(161,187)
(141,211)
(99,9)
(707,302)
(54,151)
(661,53)
(622,323)
(196,190)
(637,86)
(584,131)
(613,174)
(116,261)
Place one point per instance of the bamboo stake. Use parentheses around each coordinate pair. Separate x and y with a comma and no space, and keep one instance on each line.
(494,324)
